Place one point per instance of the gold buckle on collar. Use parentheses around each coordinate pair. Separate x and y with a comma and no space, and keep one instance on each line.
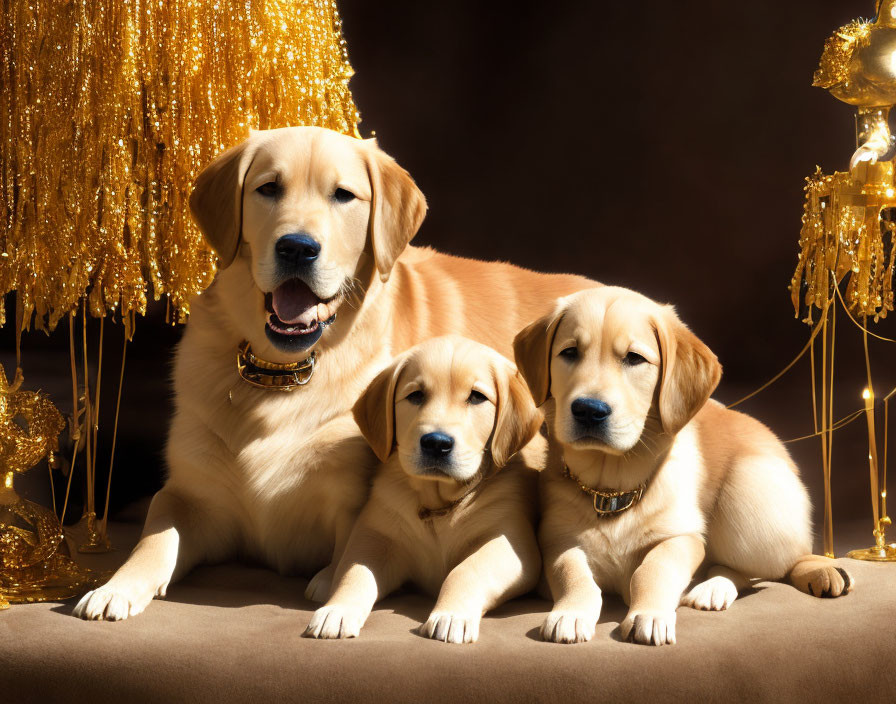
(608,503)
(270,375)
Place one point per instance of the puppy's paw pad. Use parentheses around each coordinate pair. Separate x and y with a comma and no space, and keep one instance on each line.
(107,604)
(827,582)
(649,627)
(715,594)
(334,622)
(450,627)
(569,627)
(318,588)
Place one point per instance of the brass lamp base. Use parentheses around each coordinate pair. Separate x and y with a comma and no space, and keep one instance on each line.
(879,553)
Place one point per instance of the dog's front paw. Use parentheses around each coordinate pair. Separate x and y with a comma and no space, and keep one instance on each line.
(318,588)
(114,603)
(569,627)
(828,581)
(715,594)
(450,628)
(649,627)
(334,621)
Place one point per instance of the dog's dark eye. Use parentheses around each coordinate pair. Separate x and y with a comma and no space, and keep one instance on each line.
(570,353)
(269,189)
(475,398)
(415,397)
(633,359)
(343,196)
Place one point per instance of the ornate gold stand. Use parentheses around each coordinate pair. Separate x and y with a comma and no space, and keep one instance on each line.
(848,236)
(881,552)
(35,563)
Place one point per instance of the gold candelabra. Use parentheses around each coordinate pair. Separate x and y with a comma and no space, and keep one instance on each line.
(847,239)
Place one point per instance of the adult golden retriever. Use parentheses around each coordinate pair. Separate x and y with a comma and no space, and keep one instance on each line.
(311,228)
(453,504)
(647,478)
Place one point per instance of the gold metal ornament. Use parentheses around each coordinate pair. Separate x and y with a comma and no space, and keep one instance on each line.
(34,559)
(848,238)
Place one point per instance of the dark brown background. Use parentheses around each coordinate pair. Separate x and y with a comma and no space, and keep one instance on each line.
(656,145)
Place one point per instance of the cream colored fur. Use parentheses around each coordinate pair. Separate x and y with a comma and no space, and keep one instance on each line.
(483,551)
(276,476)
(721,488)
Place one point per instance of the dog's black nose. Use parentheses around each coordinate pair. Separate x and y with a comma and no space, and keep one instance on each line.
(297,249)
(436,444)
(590,411)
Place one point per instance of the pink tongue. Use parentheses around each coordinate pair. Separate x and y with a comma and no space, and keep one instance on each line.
(294,303)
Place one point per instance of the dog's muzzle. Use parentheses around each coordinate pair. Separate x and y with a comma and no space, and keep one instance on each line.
(297,316)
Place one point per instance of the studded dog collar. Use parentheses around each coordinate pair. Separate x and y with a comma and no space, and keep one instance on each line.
(268,375)
(608,503)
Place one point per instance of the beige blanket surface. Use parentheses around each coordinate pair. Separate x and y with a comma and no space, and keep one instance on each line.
(232,633)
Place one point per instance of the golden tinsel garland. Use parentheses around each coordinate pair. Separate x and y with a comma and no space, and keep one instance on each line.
(109,108)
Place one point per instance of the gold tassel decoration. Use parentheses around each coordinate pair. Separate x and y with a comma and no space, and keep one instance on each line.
(843,235)
(108,110)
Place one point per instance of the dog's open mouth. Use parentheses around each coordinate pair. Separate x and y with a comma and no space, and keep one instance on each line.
(296,316)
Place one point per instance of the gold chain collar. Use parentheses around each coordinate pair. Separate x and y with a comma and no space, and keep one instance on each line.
(268,375)
(427,514)
(608,503)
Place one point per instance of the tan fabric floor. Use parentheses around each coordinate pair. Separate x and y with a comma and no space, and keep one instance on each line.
(232,633)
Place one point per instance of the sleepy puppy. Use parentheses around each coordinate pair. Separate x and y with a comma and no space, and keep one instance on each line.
(444,419)
(647,478)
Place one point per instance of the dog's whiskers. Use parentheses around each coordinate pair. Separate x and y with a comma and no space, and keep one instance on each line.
(352,291)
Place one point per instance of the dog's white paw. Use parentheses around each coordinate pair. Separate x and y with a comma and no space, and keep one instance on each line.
(334,621)
(450,627)
(569,627)
(114,603)
(715,594)
(649,627)
(318,588)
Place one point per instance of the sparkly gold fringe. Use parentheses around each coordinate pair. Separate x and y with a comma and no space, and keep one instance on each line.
(108,109)
(843,234)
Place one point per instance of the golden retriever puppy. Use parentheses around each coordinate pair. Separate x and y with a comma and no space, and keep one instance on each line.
(316,292)
(452,505)
(647,478)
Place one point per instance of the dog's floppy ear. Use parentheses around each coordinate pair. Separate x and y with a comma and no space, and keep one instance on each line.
(690,372)
(397,208)
(532,351)
(217,200)
(374,411)
(516,419)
